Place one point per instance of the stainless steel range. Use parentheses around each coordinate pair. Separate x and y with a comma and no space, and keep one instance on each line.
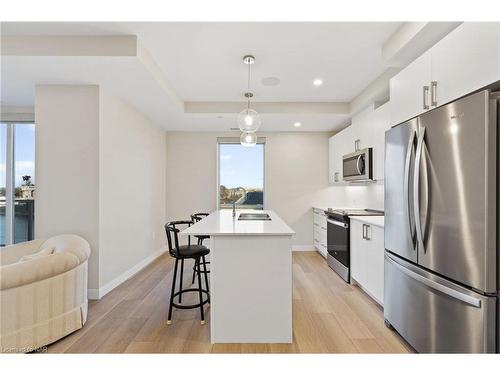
(338,238)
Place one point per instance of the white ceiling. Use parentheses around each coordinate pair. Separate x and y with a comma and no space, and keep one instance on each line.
(202,62)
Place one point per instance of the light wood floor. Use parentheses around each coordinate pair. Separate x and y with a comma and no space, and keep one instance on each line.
(329,316)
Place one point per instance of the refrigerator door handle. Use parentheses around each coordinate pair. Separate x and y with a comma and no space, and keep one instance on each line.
(406,187)
(437,286)
(416,190)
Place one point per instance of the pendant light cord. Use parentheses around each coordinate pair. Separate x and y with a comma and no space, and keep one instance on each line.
(248,87)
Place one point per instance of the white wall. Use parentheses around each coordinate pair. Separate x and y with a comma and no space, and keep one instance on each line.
(100,167)
(132,188)
(67,165)
(296,176)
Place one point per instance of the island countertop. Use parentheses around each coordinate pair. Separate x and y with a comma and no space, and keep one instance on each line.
(222,223)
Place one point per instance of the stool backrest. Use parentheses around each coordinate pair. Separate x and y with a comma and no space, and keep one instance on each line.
(199,216)
(172,230)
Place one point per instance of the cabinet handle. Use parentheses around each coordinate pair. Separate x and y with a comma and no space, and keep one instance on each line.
(434,93)
(425,95)
(364,236)
(367,237)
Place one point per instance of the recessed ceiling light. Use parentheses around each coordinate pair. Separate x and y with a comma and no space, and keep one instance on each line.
(270,81)
(318,82)
(297,124)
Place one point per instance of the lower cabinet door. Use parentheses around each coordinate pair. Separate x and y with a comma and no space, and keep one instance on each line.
(358,253)
(375,262)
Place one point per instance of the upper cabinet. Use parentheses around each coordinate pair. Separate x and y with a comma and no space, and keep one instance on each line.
(368,127)
(340,144)
(410,90)
(465,60)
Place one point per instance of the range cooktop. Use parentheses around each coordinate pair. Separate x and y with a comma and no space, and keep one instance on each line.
(354,212)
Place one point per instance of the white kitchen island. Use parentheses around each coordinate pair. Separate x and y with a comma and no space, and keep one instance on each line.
(250,277)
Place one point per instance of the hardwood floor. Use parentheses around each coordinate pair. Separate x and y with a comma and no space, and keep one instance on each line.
(329,316)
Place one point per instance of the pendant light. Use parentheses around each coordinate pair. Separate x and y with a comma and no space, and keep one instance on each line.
(248,139)
(248,120)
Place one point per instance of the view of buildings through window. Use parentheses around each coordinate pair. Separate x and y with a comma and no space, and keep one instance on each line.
(241,176)
(17,166)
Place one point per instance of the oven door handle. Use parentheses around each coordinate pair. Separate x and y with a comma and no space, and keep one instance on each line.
(338,223)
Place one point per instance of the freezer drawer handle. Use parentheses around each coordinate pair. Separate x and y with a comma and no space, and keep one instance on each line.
(338,223)
(437,286)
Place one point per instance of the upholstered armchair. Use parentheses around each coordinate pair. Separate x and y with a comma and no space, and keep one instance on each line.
(43,291)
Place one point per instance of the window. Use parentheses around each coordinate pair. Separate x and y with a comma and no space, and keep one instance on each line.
(17,182)
(241,174)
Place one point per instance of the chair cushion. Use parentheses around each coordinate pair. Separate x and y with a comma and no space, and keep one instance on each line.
(192,251)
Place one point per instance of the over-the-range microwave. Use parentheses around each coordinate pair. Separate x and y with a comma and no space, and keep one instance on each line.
(357,166)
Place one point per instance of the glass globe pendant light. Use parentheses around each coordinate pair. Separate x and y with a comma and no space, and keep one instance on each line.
(248,139)
(248,120)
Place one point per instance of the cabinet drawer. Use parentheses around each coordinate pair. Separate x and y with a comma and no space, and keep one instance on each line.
(316,244)
(322,249)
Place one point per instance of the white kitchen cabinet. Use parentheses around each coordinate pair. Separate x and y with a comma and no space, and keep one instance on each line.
(464,61)
(335,161)
(369,126)
(367,258)
(340,144)
(358,253)
(319,231)
(409,88)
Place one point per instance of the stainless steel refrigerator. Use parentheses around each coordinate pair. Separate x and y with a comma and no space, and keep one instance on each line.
(441,227)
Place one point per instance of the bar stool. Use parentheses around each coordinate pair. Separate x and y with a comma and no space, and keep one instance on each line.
(198,217)
(181,252)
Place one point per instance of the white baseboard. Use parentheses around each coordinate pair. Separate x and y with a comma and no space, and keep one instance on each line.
(303,248)
(101,292)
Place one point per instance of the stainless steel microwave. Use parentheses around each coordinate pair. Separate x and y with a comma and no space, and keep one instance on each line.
(357,166)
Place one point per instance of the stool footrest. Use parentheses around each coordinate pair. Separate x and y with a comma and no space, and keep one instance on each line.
(186,307)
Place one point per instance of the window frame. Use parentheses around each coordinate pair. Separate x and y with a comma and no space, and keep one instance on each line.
(236,140)
(10,165)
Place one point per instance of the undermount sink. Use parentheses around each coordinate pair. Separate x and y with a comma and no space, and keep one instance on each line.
(252,216)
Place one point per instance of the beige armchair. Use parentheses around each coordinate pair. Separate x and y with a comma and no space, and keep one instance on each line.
(43,298)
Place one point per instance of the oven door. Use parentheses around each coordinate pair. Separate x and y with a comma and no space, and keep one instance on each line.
(338,241)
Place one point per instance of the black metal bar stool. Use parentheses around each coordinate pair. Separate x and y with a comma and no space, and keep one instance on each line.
(189,251)
(198,217)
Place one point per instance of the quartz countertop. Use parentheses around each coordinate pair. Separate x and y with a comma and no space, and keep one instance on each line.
(373,220)
(322,208)
(222,223)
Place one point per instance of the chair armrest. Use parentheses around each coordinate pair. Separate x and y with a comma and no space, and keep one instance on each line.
(12,253)
(23,273)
